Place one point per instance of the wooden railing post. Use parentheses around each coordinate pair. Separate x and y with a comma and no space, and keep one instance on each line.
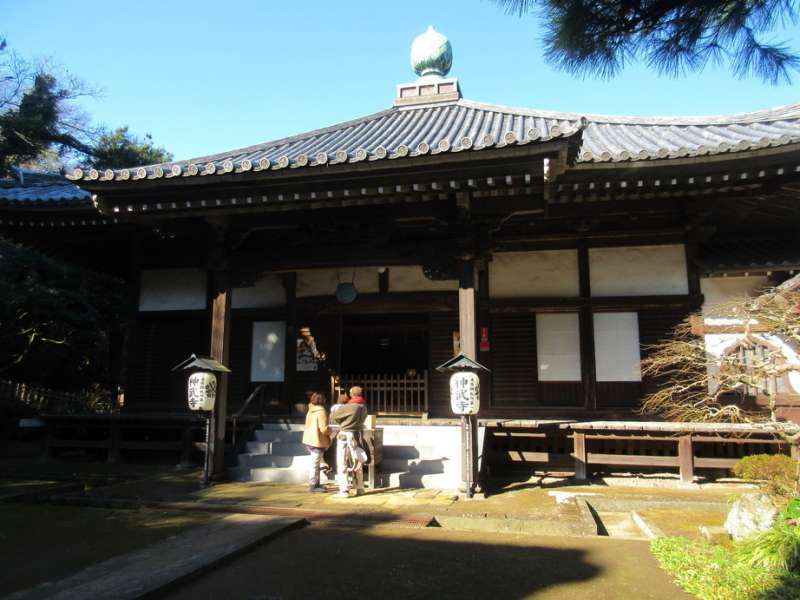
(686,458)
(579,453)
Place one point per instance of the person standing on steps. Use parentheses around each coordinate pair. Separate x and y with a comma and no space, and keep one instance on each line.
(357,396)
(350,419)
(316,437)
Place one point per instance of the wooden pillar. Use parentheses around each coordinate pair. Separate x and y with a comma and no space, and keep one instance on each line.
(468,329)
(586,331)
(290,362)
(579,453)
(692,272)
(467,311)
(686,458)
(220,351)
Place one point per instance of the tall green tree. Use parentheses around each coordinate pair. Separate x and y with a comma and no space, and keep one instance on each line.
(599,37)
(56,320)
(40,121)
(119,148)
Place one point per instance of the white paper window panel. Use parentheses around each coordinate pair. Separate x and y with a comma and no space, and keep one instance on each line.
(268,292)
(558,347)
(616,347)
(268,360)
(172,289)
(718,290)
(549,273)
(638,271)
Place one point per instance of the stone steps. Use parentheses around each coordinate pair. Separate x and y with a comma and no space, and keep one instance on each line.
(276,455)
(273,475)
(254,461)
(275,435)
(278,448)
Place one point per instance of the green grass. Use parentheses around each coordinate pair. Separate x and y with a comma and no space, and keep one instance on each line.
(712,572)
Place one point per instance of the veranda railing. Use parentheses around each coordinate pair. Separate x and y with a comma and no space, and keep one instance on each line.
(391,393)
(45,400)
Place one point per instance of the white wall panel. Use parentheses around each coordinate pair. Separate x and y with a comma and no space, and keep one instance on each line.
(267,292)
(549,273)
(718,290)
(616,347)
(323,282)
(410,278)
(268,357)
(172,289)
(558,347)
(638,271)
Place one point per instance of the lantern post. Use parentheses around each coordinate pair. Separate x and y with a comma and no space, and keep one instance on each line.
(465,401)
(201,395)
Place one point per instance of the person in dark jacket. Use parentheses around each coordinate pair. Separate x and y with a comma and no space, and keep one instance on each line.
(350,419)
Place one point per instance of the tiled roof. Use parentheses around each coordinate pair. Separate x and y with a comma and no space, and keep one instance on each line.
(465,126)
(34,188)
(743,254)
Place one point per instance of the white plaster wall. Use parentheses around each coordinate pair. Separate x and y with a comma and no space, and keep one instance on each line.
(548,273)
(718,290)
(402,278)
(172,289)
(267,292)
(410,278)
(323,282)
(638,271)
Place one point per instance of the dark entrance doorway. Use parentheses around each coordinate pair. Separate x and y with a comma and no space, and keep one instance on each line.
(387,355)
(384,343)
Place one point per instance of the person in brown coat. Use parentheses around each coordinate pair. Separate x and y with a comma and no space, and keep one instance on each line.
(316,437)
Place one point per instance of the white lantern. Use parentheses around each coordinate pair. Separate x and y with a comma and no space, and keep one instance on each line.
(202,390)
(465,393)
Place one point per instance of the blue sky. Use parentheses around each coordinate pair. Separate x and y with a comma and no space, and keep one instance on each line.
(204,77)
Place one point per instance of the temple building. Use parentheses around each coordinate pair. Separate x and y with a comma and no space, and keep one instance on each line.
(552,247)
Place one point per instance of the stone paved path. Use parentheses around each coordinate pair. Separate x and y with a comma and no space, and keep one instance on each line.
(152,568)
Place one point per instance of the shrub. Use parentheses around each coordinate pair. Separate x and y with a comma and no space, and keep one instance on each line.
(712,572)
(777,471)
(792,510)
(776,548)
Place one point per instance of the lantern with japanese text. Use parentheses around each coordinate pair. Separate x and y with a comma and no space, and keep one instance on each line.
(202,390)
(465,393)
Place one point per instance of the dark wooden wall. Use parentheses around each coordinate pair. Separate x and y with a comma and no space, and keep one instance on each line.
(513,360)
(156,343)
(442,326)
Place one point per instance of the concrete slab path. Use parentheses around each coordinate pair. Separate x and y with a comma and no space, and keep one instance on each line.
(384,562)
(165,563)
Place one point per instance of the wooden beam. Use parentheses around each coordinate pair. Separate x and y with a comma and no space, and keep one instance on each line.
(571,304)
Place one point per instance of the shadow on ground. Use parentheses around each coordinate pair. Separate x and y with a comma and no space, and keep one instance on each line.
(329,561)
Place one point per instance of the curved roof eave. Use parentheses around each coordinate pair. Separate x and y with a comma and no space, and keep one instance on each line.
(465,125)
